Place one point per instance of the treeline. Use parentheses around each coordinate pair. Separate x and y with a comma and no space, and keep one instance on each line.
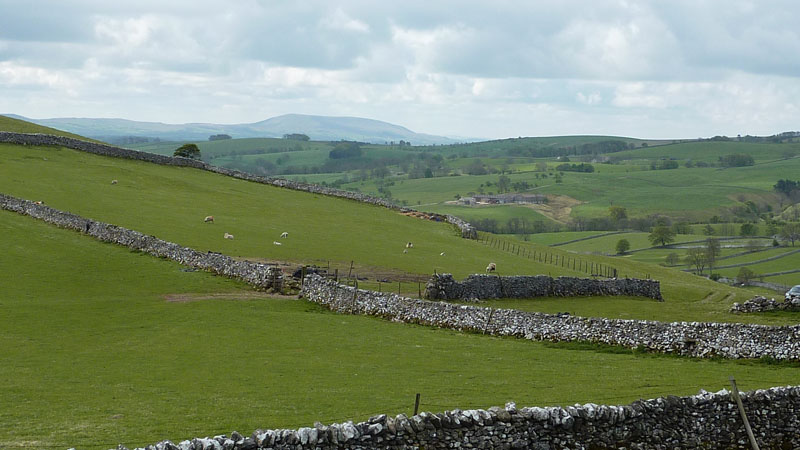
(591,148)
(515,225)
(582,167)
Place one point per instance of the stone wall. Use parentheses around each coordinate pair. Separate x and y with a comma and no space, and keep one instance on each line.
(467,230)
(259,275)
(696,339)
(479,286)
(706,420)
(762,304)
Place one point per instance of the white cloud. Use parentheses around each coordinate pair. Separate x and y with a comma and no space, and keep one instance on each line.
(339,20)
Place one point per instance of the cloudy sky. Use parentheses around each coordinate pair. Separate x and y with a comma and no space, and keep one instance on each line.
(490,69)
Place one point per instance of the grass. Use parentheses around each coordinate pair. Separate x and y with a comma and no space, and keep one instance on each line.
(170,202)
(94,356)
(22,126)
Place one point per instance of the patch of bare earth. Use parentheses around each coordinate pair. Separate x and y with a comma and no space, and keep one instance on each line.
(196,297)
(558,207)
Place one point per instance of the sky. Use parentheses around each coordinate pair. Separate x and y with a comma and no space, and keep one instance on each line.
(477,69)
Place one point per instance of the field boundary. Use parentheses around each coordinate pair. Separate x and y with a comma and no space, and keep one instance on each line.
(706,420)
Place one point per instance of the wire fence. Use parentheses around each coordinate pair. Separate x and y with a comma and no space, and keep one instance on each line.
(544,257)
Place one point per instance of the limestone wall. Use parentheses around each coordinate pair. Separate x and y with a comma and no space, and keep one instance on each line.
(445,287)
(697,339)
(706,420)
(256,274)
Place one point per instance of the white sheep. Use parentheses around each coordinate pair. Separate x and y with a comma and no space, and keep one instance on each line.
(409,245)
(491,267)
(284,235)
(113,181)
(405,250)
(276,243)
(228,236)
(441,254)
(38,202)
(209,219)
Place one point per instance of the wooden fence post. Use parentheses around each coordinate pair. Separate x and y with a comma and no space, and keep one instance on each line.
(735,395)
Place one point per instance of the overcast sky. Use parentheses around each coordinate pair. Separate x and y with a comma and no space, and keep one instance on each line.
(490,69)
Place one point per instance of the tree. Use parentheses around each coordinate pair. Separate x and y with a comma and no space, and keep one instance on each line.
(219,137)
(682,228)
(696,257)
(672,259)
(748,229)
(790,232)
(712,252)
(662,234)
(503,184)
(188,151)
(745,275)
(297,137)
(708,230)
(617,213)
(623,246)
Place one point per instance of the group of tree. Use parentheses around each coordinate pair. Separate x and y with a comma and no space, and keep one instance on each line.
(736,160)
(296,137)
(582,167)
(219,137)
(345,150)
(704,256)
(188,151)
(664,164)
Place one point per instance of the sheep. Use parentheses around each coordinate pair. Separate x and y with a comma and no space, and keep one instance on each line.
(276,243)
(113,181)
(491,267)
(409,245)
(38,202)
(441,254)
(284,235)
(228,236)
(209,219)
(405,250)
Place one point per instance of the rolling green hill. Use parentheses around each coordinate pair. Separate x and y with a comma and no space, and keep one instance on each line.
(102,345)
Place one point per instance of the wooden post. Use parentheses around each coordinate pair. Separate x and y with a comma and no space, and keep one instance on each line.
(735,395)
(302,276)
(419,288)
(416,405)
(349,272)
(336,275)
(398,288)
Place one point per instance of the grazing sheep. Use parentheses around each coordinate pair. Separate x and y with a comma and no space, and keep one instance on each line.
(285,234)
(113,181)
(405,250)
(39,202)
(209,219)
(409,245)
(228,236)
(441,254)
(491,267)
(276,243)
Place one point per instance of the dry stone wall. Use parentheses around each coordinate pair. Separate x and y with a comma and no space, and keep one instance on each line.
(762,304)
(696,339)
(479,286)
(260,275)
(467,230)
(706,420)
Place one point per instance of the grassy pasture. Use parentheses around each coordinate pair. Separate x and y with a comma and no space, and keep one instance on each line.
(94,355)
(22,126)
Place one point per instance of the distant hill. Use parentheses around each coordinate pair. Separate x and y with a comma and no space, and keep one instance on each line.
(321,128)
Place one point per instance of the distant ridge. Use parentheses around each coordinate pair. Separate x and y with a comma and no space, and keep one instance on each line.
(322,128)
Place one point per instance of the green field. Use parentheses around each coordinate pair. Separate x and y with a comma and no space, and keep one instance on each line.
(95,354)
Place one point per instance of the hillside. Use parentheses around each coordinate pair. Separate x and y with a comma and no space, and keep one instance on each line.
(9,123)
(114,314)
(321,128)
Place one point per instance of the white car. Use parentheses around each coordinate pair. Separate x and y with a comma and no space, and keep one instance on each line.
(793,293)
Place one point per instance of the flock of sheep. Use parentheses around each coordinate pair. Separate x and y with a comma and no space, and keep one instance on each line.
(210,219)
